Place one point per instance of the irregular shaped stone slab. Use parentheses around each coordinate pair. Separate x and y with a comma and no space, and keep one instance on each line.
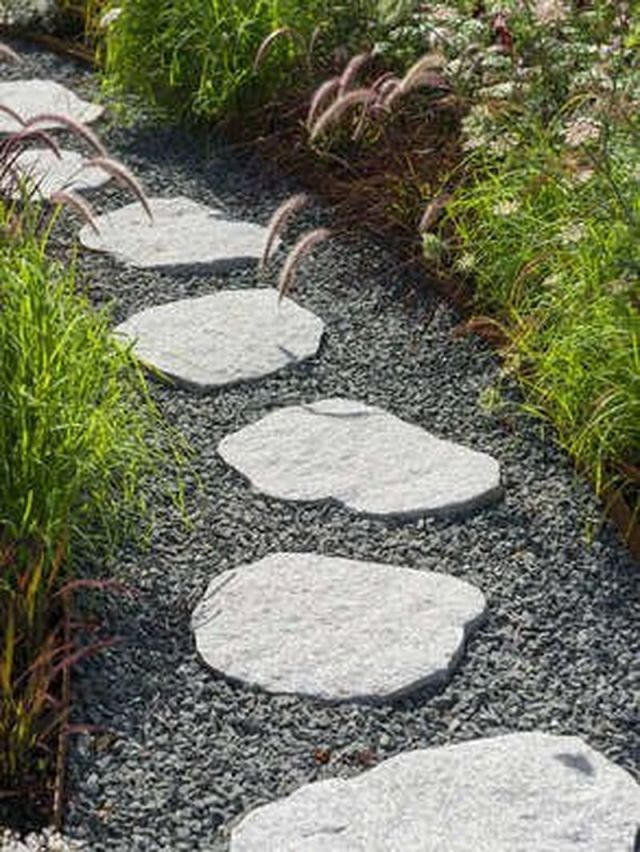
(183,232)
(33,97)
(530,792)
(335,629)
(45,173)
(227,337)
(361,456)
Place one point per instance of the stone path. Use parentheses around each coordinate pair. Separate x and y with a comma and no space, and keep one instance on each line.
(30,98)
(333,628)
(526,792)
(227,337)
(364,458)
(43,174)
(182,233)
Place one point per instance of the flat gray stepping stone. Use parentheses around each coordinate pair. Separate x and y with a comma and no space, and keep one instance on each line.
(224,338)
(46,174)
(362,457)
(335,629)
(33,97)
(183,232)
(529,792)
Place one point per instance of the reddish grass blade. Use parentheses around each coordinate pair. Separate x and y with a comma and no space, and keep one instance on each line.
(11,112)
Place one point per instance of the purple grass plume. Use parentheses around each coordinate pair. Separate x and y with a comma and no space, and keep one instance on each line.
(432,212)
(301,249)
(351,71)
(338,108)
(320,97)
(71,199)
(278,222)
(80,130)
(123,176)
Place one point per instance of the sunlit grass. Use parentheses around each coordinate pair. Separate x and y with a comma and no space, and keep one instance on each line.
(198,58)
(80,440)
(556,262)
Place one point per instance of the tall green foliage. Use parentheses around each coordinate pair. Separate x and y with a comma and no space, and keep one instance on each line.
(79,438)
(197,56)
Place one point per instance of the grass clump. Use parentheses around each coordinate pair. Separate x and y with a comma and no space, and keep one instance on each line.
(535,218)
(555,263)
(79,438)
(199,58)
(545,222)
(80,441)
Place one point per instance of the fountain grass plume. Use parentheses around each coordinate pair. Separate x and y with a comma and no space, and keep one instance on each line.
(351,71)
(301,249)
(268,43)
(338,108)
(78,129)
(278,222)
(7,54)
(320,97)
(432,213)
(69,198)
(123,176)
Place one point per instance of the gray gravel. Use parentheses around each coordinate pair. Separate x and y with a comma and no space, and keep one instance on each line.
(184,752)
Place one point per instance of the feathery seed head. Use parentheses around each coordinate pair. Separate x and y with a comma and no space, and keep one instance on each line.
(68,198)
(74,126)
(278,222)
(268,42)
(338,108)
(351,72)
(6,53)
(432,212)
(303,247)
(121,174)
(429,62)
(321,95)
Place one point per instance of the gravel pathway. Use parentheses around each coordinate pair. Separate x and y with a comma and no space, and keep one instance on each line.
(185,752)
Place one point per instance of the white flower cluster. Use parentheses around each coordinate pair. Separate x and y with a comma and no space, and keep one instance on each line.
(581,130)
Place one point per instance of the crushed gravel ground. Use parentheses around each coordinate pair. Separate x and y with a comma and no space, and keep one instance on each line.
(182,753)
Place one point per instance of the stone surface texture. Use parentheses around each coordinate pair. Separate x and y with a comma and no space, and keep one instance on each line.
(227,337)
(45,173)
(335,629)
(361,456)
(530,792)
(33,97)
(182,233)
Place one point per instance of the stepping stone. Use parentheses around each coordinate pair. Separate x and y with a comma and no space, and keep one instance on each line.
(46,174)
(529,792)
(362,457)
(183,232)
(335,629)
(33,97)
(224,338)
